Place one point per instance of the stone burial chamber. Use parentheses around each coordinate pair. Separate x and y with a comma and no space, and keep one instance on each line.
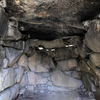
(49,50)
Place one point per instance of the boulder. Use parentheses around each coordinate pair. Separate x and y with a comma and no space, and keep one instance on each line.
(23,61)
(19,71)
(95,58)
(10,93)
(88,83)
(92,39)
(60,79)
(12,55)
(2,54)
(36,79)
(40,62)
(67,65)
(7,78)
(62,54)
(24,81)
(14,44)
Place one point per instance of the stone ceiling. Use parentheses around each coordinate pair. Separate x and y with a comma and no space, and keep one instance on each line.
(51,19)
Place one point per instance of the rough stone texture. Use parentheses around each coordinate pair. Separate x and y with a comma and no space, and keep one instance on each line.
(3,22)
(24,80)
(62,54)
(10,93)
(95,58)
(12,55)
(88,83)
(2,54)
(18,45)
(49,83)
(46,74)
(7,78)
(19,71)
(12,34)
(85,67)
(3,3)
(40,62)
(36,79)
(61,79)
(23,61)
(92,37)
(5,63)
(97,94)
(67,65)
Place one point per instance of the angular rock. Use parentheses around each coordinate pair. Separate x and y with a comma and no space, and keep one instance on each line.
(19,72)
(23,61)
(95,58)
(40,62)
(49,83)
(3,22)
(85,67)
(62,54)
(74,52)
(67,65)
(5,63)
(24,81)
(13,44)
(12,34)
(92,37)
(7,78)
(10,93)
(12,55)
(60,79)
(36,79)
(2,54)
(88,83)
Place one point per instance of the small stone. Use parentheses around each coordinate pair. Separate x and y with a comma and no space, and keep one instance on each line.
(46,74)
(22,90)
(5,63)
(30,88)
(68,73)
(76,75)
(49,83)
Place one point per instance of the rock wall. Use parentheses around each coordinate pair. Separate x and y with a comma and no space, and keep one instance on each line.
(89,59)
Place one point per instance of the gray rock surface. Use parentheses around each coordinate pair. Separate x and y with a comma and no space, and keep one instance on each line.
(60,79)
(7,78)
(12,55)
(36,79)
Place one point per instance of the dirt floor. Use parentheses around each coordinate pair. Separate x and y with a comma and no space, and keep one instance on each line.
(70,95)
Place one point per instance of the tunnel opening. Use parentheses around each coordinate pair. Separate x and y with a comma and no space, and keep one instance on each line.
(49,50)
